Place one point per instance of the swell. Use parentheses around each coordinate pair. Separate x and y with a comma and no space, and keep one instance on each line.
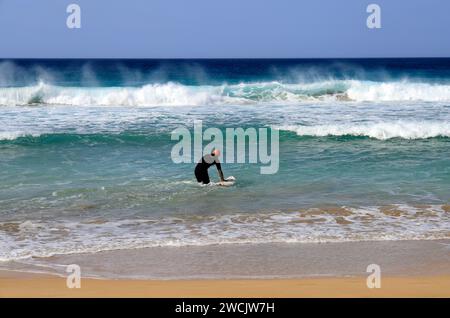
(412,130)
(175,94)
(37,139)
(380,132)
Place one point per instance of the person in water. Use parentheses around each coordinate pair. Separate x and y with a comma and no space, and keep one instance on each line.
(201,170)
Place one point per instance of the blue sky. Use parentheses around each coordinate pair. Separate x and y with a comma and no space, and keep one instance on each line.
(227,28)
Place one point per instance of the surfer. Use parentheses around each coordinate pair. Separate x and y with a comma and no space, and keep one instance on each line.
(201,170)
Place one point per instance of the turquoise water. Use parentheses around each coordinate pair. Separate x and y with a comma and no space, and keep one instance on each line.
(86,166)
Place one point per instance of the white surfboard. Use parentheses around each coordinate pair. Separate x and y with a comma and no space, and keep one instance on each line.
(228,182)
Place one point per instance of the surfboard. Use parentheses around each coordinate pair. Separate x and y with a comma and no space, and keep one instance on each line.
(228,182)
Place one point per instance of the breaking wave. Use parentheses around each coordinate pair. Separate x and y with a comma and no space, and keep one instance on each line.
(382,130)
(174,94)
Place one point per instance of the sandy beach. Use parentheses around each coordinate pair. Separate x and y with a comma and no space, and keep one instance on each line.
(408,269)
(13,284)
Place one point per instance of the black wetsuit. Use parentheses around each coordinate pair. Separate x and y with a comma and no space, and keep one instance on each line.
(201,170)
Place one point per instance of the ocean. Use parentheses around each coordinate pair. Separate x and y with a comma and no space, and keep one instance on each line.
(85,153)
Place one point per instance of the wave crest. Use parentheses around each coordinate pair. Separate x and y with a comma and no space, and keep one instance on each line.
(173,94)
(382,131)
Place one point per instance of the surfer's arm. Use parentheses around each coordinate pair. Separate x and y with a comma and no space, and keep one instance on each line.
(219,171)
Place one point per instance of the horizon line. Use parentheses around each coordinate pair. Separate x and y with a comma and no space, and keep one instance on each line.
(221,58)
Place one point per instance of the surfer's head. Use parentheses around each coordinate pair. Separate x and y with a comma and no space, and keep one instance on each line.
(215,153)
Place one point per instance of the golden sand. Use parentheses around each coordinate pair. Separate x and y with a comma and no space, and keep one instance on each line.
(26,285)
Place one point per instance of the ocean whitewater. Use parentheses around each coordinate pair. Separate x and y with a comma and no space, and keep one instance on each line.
(85,153)
(174,94)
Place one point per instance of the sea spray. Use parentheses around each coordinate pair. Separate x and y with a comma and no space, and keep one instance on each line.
(175,94)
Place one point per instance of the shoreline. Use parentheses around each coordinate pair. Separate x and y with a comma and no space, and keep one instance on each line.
(252,261)
(42,286)
(408,269)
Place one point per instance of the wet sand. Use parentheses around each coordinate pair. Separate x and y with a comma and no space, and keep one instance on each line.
(408,269)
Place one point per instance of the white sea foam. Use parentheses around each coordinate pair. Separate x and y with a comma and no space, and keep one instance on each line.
(381,130)
(173,94)
(27,239)
(397,91)
(5,135)
(402,129)
(169,94)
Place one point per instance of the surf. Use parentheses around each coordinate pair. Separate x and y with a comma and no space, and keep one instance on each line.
(303,226)
(383,131)
(176,94)
(379,130)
